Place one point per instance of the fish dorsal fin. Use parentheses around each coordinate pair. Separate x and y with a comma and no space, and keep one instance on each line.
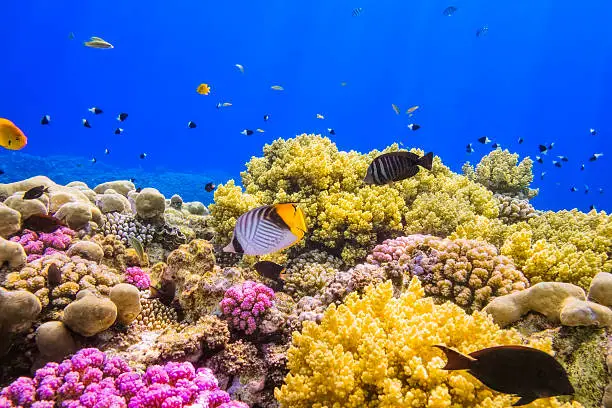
(524,401)
(96,39)
(479,353)
(455,360)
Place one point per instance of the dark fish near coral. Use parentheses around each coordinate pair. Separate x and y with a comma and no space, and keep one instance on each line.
(542,175)
(138,189)
(191,125)
(563,158)
(539,159)
(484,140)
(268,229)
(271,270)
(414,127)
(482,31)
(266,117)
(86,123)
(595,156)
(35,192)
(209,187)
(592,207)
(45,120)
(331,131)
(586,189)
(520,140)
(449,11)
(165,293)
(122,116)
(95,110)
(247,132)
(524,371)
(396,166)
(544,149)
(132,179)
(143,155)
(469,148)
(582,167)
(573,189)
(592,131)
(118,131)
(495,145)
(357,11)
(54,275)
(556,163)
(137,245)
(42,223)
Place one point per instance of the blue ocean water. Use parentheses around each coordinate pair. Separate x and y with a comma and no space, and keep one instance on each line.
(543,72)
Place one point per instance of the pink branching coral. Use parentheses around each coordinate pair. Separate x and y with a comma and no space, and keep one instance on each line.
(38,244)
(137,277)
(92,379)
(245,304)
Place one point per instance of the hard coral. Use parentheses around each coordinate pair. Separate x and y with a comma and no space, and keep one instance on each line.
(37,244)
(513,210)
(137,277)
(245,305)
(466,272)
(92,379)
(308,273)
(377,352)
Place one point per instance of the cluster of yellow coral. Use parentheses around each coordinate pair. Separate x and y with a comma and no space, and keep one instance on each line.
(377,352)
(309,273)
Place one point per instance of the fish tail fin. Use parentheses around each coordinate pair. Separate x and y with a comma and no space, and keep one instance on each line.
(426,161)
(456,360)
(229,248)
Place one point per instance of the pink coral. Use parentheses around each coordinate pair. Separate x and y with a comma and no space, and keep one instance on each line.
(245,304)
(90,379)
(38,244)
(137,277)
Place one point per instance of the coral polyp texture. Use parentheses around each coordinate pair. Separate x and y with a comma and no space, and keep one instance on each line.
(467,272)
(245,305)
(92,379)
(138,277)
(376,351)
(343,214)
(37,244)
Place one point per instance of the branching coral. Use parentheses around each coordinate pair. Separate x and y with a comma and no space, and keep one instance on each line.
(137,277)
(513,210)
(309,273)
(377,352)
(38,244)
(245,305)
(501,172)
(467,272)
(155,316)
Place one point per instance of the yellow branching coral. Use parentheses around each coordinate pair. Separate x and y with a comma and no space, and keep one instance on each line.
(501,172)
(377,352)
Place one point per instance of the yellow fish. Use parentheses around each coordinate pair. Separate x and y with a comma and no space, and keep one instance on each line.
(410,110)
(277,88)
(11,137)
(240,67)
(395,108)
(268,229)
(203,89)
(319,116)
(97,42)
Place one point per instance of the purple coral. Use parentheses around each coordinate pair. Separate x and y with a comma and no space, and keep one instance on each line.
(90,379)
(137,277)
(245,305)
(38,244)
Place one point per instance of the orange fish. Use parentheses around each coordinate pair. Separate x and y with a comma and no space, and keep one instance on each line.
(11,137)
(203,89)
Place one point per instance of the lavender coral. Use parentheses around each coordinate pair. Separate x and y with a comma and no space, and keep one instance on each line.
(92,379)
(38,244)
(244,305)
(137,277)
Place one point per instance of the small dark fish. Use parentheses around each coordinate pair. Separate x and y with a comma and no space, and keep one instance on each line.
(582,167)
(266,117)
(35,192)
(595,156)
(592,131)
(143,155)
(586,189)
(1,172)
(137,245)
(191,125)
(601,190)
(449,11)
(118,131)
(482,31)
(563,158)
(45,120)
(414,127)
(106,151)
(469,148)
(138,189)
(556,163)
(132,179)
(542,175)
(247,132)
(484,140)
(271,270)
(122,116)
(573,189)
(331,131)
(524,371)
(95,111)
(42,223)
(592,207)
(93,161)
(54,275)
(165,293)
(396,166)
(86,123)
(495,146)
(357,11)
(520,140)
(539,159)
(543,149)
(209,187)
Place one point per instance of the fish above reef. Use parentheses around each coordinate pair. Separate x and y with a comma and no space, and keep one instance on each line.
(266,117)
(595,156)
(210,187)
(247,132)
(539,159)
(42,223)
(240,68)
(523,371)
(97,42)
(592,131)
(268,229)
(573,189)
(118,131)
(563,158)
(11,137)
(203,89)
(191,125)
(271,270)
(106,151)
(95,110)
(319,116)
(482,31)
(395,108)
(86,123)
(544,149)
(412,109)
(356,11)
(520,140)
(495,145)
(556,163)
(484,140)
(258,130)
(45,120)
(35,192)
(449,11)
(277,88)
(143,155)
(331,131)
(396,166)
(469,148)
(582,167)
(1,172)
(414,127)
(93,160)
(122,116)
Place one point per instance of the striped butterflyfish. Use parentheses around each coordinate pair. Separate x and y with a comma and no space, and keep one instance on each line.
(396,166)
(268,229)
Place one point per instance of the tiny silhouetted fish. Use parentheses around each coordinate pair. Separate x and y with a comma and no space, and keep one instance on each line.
(482,31)
(542,175)
(396,166)
(563,158)
(449,11)
(271,270)
(523,371)
(582,167)
(592,207)
(469,148)
(86,123)
(414,127)
(1,172)
(138,189)
(42,223)
(586,189)
(143,155)
(118,131)
(573,189)
(191,125)
(35,192)
(247,132)
(592,131)
(543,148)
(601,190)
(106,151)
(495,145)
(357,11)
(122,116)
(45,120)
(209,187)
(539,159)
(137,245)
(132,179)
(95,110)
(520,140)
(595,156)
(331,131)
(54,275)
(93,160)
(165,293)
(484,140)
(266,117)
(556,163)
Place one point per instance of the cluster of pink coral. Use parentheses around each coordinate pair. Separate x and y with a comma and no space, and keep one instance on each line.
(92,379)
(137,277)
(38,244)
(244,305)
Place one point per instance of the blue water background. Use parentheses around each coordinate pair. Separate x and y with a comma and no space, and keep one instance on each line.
(543,72)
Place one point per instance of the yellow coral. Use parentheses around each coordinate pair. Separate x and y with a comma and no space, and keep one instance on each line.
(377,352)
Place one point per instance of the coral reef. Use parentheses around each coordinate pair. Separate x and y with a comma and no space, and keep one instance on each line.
(10,221)
(12,254)
(155,316)
(245,305)
(38,244)
(125,226)
(137,277)
(308,273)
(513,210)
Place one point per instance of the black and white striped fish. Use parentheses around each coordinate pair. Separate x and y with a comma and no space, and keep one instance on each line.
(396,166)
(267,229)
(357,11)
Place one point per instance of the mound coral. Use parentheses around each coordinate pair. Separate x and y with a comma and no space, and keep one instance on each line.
(309,273)
(38,244)
(155,316)
(513,210)
(467,272)
(124,226)
(343,214)
(245,305)
(377,352)
(501,172)
(93,379)
(137,277)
